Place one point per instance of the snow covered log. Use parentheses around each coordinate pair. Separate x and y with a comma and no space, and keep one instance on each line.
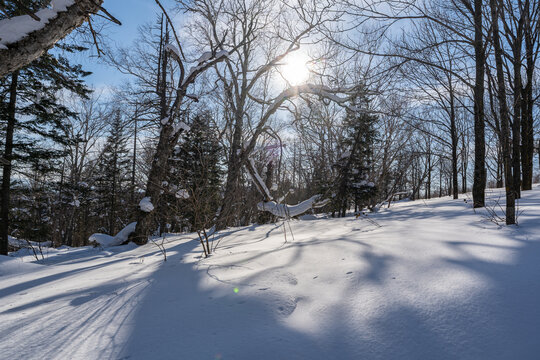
(287,211)
(105,240)
(23,39)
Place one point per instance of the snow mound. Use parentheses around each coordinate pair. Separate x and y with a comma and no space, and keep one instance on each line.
(105,240)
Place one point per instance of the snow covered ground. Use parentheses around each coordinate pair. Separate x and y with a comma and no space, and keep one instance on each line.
(422,280)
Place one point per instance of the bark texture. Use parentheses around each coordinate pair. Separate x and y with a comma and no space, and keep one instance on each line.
(31,47)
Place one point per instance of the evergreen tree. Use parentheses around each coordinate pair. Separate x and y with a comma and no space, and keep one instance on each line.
(113,179)
(196,174)
(34,119)
(353,185)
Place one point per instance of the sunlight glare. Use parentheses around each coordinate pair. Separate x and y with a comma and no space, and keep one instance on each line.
(295,70)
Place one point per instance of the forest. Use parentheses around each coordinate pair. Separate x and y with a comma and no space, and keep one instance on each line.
(249,107)
(269,179)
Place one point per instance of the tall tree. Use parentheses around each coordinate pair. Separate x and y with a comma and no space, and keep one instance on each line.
(34,110)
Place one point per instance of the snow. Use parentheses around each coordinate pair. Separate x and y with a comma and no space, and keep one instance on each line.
(105,240)
(222,53)
(258,179)
(172,48)
(287,211)
(203,61)
(14,266)
(181,126)
(434,280)
(182,194)
(207,55)
(16,28)
(146,204)
(20,243)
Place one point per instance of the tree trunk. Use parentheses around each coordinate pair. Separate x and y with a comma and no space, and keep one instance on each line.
(505,117)
(527,134)
(479,183)
(226,214)
(453,131)
(464,164)
(32,46)
(516,122)
(8,157)
(167,139)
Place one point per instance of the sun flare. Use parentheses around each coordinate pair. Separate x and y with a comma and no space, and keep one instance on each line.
(295,69)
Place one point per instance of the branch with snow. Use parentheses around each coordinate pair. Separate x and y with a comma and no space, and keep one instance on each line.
(23,39)
(146,204)
(281,210)
(105,240)
(288,211)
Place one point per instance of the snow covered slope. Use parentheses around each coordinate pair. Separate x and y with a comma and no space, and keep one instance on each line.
(423,280)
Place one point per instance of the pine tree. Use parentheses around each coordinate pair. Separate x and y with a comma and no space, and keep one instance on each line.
(196,174)
(353,185)
(113,179)
(34,119)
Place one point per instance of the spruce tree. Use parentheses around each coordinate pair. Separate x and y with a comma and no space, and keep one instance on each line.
(353,185)
(113,179)
(196,174)
(34,119)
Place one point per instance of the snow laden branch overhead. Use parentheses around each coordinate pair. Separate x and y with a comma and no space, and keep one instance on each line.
(24,38)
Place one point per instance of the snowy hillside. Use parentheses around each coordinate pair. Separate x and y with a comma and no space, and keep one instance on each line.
(422,280)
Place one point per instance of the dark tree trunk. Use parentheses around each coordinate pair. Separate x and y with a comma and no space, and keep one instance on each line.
(8,157)
(226,213)
(516,121)
(527,134)
(479,183)
(453,131)
(167,140)
(505,117)
(500,167)
(464,165)
(428,182)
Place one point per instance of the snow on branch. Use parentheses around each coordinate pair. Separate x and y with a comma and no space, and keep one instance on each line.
(25,38)
(287,211)
(206,60)
(16,28)
(280,210)
(252,170)
(146,204)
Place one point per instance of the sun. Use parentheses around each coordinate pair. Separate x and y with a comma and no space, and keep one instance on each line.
(295,68)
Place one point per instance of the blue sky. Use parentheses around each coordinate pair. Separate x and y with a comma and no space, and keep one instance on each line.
(132,14)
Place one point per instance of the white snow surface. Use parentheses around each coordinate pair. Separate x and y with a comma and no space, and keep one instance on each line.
(107,240)
(422,280)
(16,28)
(146,204)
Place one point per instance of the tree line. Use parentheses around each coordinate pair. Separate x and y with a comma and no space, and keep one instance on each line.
(403,99)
